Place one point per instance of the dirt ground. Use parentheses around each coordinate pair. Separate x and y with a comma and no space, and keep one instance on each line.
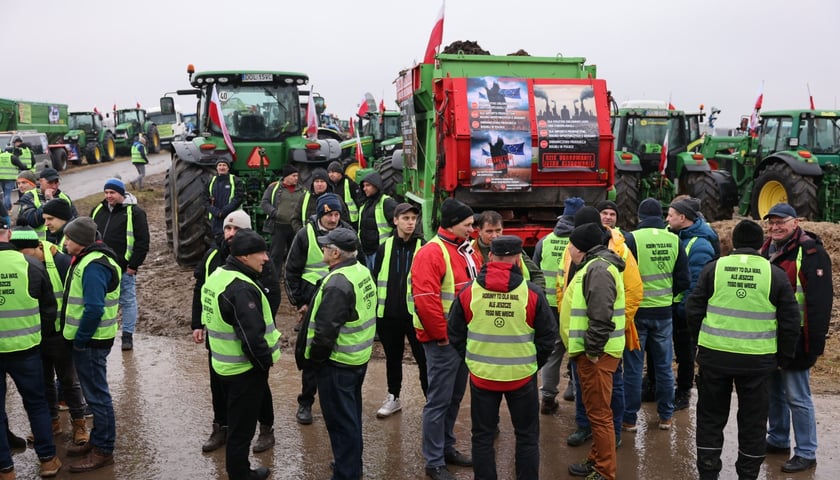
(164,289)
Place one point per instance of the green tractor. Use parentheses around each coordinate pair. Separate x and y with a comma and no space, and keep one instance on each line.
(262,115)
(131,122)
(640,128)
(380,134)
(795,158)
(88,137)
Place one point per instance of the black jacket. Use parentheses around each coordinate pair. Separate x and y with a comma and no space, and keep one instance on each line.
(399,266)
(787,316)
(219,203)
(111,225)
(368,233)
(40,289)
(300,291)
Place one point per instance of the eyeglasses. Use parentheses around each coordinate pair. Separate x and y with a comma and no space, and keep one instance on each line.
(777,223)
(329,247)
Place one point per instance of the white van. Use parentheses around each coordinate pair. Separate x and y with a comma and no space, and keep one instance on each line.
(170,127)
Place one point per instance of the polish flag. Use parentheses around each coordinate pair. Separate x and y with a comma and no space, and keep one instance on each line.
(754,116)
(352,128)
(218,118)
(363,107)
(360,156)
(311,120)
(663,156)
(810,97)
(436,37)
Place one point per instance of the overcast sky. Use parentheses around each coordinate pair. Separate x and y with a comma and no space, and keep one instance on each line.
(714,52)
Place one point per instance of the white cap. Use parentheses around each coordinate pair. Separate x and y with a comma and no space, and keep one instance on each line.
(238,218)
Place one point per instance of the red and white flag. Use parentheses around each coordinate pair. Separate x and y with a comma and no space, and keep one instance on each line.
(810,97)
(360,155)
(663,155)
(218,118)
(436,37)
(311,119)
(754,116)
(363,107)
(352,127)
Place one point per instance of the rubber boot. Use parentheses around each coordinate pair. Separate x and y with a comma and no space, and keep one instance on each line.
(265,440)
(80,433)
(217,438)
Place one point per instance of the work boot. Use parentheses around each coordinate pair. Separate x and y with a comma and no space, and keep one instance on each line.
(50,466)
(304,414)
(127,342)
(259,473)
(80,433)
(79,450)
(15,442)
(10,473)
(682,399)
(265,440)
(548,406)
(94,460)
(457,458)
(581,435)
(217,438)
(569,392)
(582,469)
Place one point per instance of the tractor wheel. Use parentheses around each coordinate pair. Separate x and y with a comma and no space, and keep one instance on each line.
(93,154)
(153,139)
(391,177)
(109,148)
(185,197)
(627,200)
(703,187)
(778,183)
(58,156)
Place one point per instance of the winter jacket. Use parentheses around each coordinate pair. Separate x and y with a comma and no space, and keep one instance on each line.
(309,200)
(100,277)
(214,258)
(599,290)
(111,224)
(563,228)
(815,278)
(39,288)
(503,277)
(368,231)
(300,291)
(680,278)
(534,271)
(427,273)
(32,215)
(279,203)
(219,201)
(399,266)
(787,314)
(703,250)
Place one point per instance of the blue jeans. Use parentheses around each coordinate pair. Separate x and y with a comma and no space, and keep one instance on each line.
(8,187)
(91,367)
(616,401)
(27,373)
(790,398)
(447,376)
(128,302)
(340,391)
(370,261)
(657,333)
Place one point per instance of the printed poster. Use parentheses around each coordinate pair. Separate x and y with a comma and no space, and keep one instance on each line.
(567,127)
(500,131)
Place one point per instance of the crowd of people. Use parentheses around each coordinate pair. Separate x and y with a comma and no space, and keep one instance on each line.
(474,308)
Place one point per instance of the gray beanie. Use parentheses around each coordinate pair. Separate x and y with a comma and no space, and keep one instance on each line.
(82,230)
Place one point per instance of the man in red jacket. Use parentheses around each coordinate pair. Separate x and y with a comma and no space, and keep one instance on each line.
(441,268)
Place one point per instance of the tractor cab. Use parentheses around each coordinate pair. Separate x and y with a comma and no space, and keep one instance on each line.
(89,122)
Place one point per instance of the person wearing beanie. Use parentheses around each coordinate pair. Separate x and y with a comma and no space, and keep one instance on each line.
(225,193)
(124,228)
(376,216)
(244,344)
(214,258)
(347,189)
(746,319)
(609,212)
(278,202)
(663,266)
(548,254)
(10,165)
(26,181)
(701,244)
(57,213)
(633,293)
(319,185)
(448,256)
(592,318)
(89,320)
(31,211)
(304,268)
(501,286)
(139,160)
(339,339)
(802,255)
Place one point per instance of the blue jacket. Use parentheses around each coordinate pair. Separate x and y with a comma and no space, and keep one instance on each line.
(705,249)
(97,280)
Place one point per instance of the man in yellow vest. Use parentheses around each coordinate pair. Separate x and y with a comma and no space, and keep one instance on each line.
(89,320)
(32,202)
(503,326)
(746,321)
(394,321)
(139,160)
(56,354)
(376,215)
(10,166)
(244,344)
(340,327)
(56,214)
(225,193)
(347,189)
(319,184)
(27,312)
(592,323)
(278,203)
(24,152)
(305,267)
(489,226)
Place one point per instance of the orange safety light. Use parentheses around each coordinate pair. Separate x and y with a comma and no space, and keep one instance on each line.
(804,154)
(313,145)
(207,147)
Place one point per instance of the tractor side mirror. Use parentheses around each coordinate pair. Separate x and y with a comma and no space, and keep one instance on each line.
(167,105)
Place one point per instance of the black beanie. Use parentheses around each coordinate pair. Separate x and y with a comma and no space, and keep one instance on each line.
(287,170)
(688,207)
(587,215)
(587,236)
(81,230)
(334,167)
(246,242)
(650,208)
(453,212)
(58,208)
(606,204)
(747,234)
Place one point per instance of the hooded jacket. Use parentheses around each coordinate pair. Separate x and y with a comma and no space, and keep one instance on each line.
(111,224)
(563,228)
(705,249)
(310,198)
(368,232)
(815,278)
